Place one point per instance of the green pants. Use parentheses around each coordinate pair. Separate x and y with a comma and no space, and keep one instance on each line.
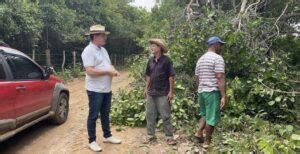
(210,106)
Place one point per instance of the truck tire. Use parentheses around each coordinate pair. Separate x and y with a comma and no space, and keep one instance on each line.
(62,110)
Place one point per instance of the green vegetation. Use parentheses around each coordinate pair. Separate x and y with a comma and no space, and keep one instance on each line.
(260,62)
(70,73)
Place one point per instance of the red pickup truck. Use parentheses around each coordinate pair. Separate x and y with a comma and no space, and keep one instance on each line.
(28,94)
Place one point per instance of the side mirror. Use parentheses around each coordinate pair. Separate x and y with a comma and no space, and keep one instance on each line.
(48,71)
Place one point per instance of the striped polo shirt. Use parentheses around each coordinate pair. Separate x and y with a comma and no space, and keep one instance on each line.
(207,66)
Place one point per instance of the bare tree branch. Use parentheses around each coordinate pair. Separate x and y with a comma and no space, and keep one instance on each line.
(286,6)
(256,3)
(243,6)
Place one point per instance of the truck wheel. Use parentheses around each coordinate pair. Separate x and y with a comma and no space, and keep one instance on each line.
(62,110)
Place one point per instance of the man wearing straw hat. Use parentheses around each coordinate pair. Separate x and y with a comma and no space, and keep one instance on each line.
(160,77)
(99,74)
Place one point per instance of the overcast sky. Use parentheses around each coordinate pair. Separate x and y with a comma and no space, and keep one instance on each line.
(148,4)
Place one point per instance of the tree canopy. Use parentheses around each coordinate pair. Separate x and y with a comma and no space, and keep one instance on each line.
(61,24)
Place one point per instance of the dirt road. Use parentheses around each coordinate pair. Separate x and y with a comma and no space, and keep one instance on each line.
(71,137)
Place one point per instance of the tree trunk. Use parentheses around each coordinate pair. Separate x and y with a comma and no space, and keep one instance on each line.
(240,16)
(212,3)
(243,6)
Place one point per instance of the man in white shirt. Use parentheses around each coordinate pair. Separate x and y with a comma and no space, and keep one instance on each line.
(99,74)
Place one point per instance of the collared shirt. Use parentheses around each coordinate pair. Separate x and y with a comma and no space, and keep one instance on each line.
(97,57)
(207,66)
(159,72)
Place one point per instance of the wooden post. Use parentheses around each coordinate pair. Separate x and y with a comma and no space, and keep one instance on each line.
(74,59)
(33,54)
(112,59)
(115,59)
(63,62)
(48,58)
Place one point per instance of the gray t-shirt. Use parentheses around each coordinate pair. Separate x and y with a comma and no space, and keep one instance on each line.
(93,56)
(207,66)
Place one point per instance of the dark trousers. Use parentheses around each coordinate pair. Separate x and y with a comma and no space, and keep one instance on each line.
(98,103)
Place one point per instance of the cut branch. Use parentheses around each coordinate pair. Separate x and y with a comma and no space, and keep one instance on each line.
(280,91)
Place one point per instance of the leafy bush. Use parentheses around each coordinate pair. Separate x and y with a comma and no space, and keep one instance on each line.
(129,108)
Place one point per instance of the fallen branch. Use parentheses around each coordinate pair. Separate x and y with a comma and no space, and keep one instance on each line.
(280,91)
(294,81)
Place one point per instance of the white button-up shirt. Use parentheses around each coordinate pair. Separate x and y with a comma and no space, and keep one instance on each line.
(97,57)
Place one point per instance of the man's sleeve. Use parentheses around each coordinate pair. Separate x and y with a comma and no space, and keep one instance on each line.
(220,65)
(87,59)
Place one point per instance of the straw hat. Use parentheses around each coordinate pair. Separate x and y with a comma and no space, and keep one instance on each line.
(97,29)
(161,43)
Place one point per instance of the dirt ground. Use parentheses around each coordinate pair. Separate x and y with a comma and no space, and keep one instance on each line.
(71,137)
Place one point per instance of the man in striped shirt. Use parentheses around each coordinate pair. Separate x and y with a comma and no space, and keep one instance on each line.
(210,79)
